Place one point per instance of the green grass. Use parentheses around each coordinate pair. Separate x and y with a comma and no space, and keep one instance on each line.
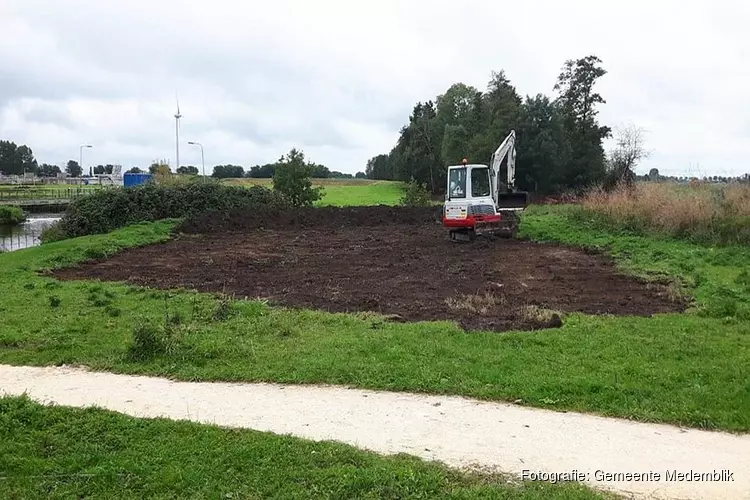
(714,275)
(376,193)
(689,369)
(58,452)
(343,192)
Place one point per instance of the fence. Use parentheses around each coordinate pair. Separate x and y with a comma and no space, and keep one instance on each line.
(25,235)
(19,240)
(34,193)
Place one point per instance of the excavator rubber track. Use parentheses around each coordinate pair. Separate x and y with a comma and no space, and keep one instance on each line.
(507,227)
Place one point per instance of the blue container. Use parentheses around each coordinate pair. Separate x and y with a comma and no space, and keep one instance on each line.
(130,180)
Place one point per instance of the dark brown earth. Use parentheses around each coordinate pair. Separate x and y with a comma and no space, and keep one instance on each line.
(394,261)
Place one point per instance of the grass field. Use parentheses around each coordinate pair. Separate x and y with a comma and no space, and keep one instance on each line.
(55,452)
(380,192)
(338,192)
(689,369)
(341,192)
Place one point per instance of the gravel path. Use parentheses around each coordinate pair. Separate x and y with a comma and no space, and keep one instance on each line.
(459,432)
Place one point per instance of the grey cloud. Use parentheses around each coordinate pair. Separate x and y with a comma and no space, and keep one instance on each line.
(303,130)
(49,113)
(257,76)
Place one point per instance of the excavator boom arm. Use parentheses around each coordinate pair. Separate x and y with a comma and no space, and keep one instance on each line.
(507,148)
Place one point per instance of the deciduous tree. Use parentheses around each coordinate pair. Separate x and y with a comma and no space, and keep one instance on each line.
(73,169)
(293,180)
(187,170)
(228,172)
(623,159)
(16,160)
(262,172)
(578,100)
(380,168)
(46,170)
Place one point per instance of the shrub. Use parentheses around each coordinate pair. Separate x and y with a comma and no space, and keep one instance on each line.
(11,214)
(292,179)
(110,209)
(416,195)
(51,233)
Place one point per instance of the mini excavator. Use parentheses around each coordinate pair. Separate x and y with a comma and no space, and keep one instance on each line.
(479,202)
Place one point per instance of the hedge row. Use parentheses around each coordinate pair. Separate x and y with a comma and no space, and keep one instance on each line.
(111,209)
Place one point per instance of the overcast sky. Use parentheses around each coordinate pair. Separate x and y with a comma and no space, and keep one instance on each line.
(339,78)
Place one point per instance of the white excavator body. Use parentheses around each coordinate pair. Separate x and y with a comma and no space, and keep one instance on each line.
(478,202)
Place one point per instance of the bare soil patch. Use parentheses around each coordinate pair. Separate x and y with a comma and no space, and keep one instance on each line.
(390,260)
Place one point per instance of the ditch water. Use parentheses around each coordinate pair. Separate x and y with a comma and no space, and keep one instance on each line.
(27,234)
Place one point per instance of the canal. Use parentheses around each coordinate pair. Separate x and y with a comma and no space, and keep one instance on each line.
(27,234)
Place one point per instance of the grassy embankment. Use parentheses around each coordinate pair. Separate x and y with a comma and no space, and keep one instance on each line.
(54,452)
(689,369)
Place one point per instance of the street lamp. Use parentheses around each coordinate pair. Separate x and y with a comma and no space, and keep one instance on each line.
(203,162)
(80,155)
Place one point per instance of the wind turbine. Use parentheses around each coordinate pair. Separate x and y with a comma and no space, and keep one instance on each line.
(177,117)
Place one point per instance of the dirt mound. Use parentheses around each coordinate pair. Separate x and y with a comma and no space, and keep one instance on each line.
(321,218)
(391,260)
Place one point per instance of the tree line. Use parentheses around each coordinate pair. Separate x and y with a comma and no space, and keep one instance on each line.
(267,171)
(558,139)
(654,176)
(16,160)
(19,160)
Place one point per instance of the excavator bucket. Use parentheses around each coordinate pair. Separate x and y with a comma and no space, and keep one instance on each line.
(506,227)
(509,201)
